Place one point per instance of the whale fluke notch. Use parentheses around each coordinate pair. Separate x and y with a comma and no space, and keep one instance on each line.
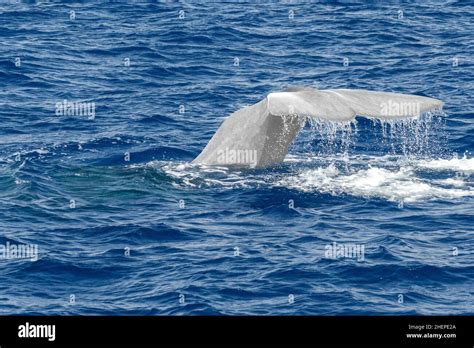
(259,135)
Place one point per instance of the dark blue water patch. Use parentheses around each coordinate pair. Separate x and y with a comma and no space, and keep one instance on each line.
(157,120)
(414,274)
(136,156)
(77,271)
(159,232)
(18,77)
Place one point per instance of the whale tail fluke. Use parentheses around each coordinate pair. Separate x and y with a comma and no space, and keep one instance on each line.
(341,105)
(259,135)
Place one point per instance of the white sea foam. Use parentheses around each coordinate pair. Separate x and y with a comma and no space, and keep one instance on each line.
(391,184)
(390,178)
(462,164)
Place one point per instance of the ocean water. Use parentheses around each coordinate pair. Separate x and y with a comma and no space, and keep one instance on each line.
(125,225)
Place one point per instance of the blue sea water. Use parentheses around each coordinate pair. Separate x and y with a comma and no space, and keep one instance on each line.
(163,76)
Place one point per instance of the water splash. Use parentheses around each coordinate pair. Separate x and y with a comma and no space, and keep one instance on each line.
(332,137)
(413,137)
(331,163)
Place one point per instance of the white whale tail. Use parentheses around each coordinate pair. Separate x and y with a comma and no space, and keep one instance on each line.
(259,135)
(344,104)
